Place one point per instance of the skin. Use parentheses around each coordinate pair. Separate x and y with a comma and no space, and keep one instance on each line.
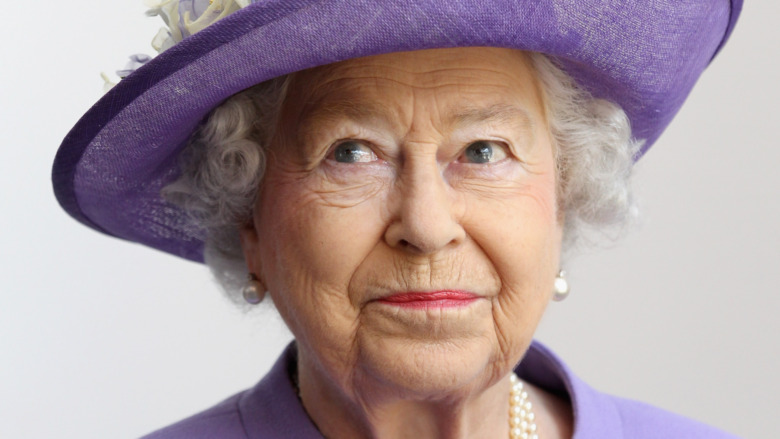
(374,188)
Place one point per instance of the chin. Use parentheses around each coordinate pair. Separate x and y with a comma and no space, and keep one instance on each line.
(430,369)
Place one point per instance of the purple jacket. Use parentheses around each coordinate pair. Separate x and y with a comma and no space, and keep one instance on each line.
(271,409)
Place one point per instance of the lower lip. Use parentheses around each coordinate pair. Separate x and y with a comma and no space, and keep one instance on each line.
(439,299)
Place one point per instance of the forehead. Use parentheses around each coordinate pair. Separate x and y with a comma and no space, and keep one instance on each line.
(458,83)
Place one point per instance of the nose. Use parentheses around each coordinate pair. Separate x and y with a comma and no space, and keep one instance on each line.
(425,218)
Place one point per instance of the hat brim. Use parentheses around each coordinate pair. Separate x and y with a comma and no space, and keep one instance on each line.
(110,168)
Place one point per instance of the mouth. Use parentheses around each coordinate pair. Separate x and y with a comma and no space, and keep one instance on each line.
(430,300)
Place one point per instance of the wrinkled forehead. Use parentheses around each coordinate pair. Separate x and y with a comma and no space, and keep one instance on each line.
(460,83)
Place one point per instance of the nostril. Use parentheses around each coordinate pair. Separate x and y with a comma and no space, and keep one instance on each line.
(406,245)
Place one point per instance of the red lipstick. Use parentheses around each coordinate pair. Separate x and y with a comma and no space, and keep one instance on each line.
(433,299)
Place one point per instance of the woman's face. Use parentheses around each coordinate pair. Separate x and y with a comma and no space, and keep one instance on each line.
(407,227)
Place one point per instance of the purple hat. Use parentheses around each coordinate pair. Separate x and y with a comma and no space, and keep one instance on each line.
(643,55)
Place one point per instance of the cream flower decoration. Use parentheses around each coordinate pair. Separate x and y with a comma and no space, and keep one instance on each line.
(183,18)
(134,63)
(186,17)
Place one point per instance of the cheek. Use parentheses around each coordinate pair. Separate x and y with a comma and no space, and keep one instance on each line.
(313,240)
(521,218)
(311,244)
(521,234)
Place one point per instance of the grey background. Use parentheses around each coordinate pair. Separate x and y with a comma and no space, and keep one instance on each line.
(100,338)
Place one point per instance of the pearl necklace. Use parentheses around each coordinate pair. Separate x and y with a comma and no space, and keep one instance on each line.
(521,418)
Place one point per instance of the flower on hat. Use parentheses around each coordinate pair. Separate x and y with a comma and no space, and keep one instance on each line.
(135,61)
(183,18)
(186,17)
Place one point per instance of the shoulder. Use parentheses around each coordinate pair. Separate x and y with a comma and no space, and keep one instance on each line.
(600,415)
(221,421)
(270,409)
(640,420)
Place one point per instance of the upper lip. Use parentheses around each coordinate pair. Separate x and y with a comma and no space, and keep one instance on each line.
(419,296)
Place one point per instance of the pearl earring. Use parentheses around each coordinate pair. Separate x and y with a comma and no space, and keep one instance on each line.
(253,291)
(560,287)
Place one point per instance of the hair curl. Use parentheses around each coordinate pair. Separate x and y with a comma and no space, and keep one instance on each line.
(223,166)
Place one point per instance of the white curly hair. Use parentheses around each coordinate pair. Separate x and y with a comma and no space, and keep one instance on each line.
(223,166)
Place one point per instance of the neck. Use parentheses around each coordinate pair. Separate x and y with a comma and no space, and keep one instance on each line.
(375,411)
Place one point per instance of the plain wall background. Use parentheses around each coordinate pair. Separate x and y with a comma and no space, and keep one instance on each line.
(100,338)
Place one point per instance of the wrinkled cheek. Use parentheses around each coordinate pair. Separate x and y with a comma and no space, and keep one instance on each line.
(313,249)
(314,245)
(521,235)
(293,246)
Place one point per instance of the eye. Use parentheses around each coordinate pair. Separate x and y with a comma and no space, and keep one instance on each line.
(483,151)
(352,151)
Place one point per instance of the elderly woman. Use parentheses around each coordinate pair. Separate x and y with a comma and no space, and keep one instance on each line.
(400,178)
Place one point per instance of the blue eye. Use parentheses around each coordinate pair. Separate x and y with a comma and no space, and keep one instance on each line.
(351,151)
(484,151)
